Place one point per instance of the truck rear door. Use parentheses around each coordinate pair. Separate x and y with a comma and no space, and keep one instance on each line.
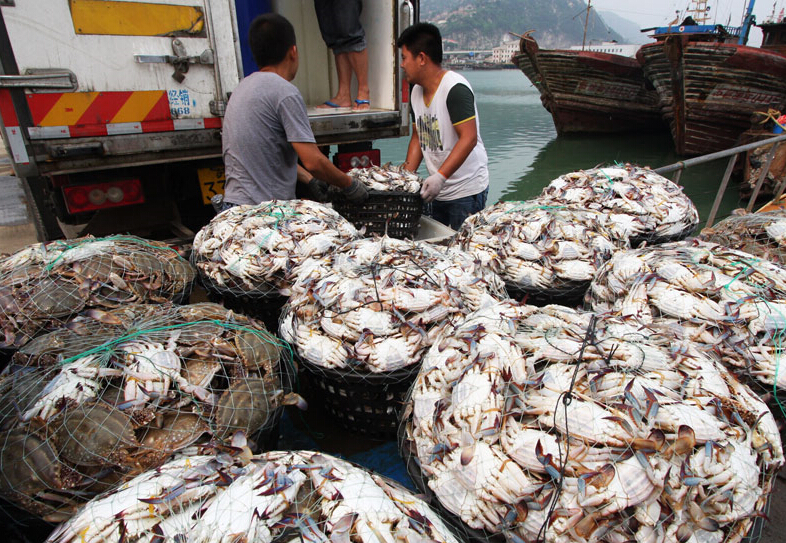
(137,79)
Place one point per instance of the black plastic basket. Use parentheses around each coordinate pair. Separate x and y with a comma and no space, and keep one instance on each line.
(368,404)
(392,213)
(262,306)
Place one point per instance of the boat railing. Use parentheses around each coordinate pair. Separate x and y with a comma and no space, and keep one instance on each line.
(733,154)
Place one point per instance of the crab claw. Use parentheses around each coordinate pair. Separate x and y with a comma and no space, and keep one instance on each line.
(547,461)
(701,519)
(294,399)
(684,443)
(342,528)
(103,316)
(587,525)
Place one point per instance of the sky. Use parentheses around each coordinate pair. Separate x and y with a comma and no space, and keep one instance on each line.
(648,13)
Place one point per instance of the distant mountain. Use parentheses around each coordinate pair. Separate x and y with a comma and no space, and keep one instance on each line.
(630,31)
(483,24)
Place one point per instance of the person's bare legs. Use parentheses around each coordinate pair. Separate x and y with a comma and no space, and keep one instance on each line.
(343,98)
(358,61)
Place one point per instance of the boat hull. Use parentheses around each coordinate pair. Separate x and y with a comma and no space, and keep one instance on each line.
(708,91)
(587,91)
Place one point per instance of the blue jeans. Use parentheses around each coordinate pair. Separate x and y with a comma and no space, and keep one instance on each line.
(453,212)
(339,24)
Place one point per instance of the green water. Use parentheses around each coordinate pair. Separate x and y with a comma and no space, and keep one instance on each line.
(525,153)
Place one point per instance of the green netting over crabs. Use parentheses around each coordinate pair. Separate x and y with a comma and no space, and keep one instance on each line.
(116,392)
(43,285)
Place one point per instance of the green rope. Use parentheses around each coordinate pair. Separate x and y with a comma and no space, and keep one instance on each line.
(68,246)
(108,347)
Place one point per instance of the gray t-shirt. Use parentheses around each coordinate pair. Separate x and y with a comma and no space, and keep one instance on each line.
(264,115)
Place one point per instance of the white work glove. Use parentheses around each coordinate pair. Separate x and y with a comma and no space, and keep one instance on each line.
(432,186)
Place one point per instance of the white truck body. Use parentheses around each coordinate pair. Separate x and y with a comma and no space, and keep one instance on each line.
(94,93)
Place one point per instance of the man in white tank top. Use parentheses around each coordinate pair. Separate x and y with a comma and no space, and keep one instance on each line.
(446,131)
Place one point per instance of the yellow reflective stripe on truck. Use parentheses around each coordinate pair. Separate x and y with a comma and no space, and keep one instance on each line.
(135,18)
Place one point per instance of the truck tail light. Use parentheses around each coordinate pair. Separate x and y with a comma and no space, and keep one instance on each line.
(81,198)
(357,159)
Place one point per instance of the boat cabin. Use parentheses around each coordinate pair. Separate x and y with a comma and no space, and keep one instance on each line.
(774,36)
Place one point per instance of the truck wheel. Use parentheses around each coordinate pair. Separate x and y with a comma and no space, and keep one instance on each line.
(41,213)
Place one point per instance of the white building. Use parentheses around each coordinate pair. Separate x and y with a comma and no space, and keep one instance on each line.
(623,49)
(504,53)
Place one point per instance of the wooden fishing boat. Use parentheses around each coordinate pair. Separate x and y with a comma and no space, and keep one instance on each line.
(587,91)
(709,83)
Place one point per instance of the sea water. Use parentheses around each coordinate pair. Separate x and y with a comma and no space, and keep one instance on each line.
(525,153)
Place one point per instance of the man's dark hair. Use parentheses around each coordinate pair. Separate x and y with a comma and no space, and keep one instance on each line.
(270,36)
(422,38)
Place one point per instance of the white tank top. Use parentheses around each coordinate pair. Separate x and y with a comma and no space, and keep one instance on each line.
(438,137)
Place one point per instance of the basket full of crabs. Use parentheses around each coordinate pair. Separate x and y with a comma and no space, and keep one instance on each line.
(274,496)
(360,318)
(246,254)
(551,424)
(545,253)
(88,406)
(45,284)
(394,204)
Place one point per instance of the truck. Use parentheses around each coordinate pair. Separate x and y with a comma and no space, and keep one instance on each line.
(111,111)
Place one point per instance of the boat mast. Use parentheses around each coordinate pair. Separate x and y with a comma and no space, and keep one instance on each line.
(699,11)
(746,24)
(586,20)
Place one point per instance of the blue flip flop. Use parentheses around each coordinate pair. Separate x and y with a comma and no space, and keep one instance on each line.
(331,104)
(362,102)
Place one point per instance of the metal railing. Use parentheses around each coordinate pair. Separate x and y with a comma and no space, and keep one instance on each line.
(734,152)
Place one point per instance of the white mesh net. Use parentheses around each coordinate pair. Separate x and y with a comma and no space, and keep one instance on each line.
(43,285)
(637,203)
(762,235)
(376,304)
(540,249)
(555,425)
(727,300)
(276,496)
(250,251)
(87,407)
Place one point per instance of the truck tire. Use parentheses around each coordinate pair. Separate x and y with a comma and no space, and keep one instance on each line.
(41,214)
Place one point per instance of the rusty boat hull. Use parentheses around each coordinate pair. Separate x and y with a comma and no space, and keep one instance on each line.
(590,92)
(709,91)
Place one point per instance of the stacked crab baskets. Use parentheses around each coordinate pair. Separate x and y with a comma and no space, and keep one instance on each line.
(394,204)
(86,407)
(360,319)
(552,424)
(724,300)
(276,496)
(549,248)
(246,254)
(44,284)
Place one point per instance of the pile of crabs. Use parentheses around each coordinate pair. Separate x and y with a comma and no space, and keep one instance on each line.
(87,407)
(630,419)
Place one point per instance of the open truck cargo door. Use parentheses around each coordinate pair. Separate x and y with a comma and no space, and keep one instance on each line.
(112,110)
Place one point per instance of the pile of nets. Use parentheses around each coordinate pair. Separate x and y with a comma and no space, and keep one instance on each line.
(44,284)
(376,304)
(540,249)
(556,425)
(760,234)
(276,496)
(637,203)
(86,407)
(250,251)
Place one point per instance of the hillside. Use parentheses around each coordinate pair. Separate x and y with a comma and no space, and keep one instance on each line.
(483,24)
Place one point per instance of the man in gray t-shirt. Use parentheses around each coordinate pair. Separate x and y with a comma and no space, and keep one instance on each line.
(266,128)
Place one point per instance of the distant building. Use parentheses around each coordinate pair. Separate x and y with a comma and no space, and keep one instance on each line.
(504,53)
(623,49)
